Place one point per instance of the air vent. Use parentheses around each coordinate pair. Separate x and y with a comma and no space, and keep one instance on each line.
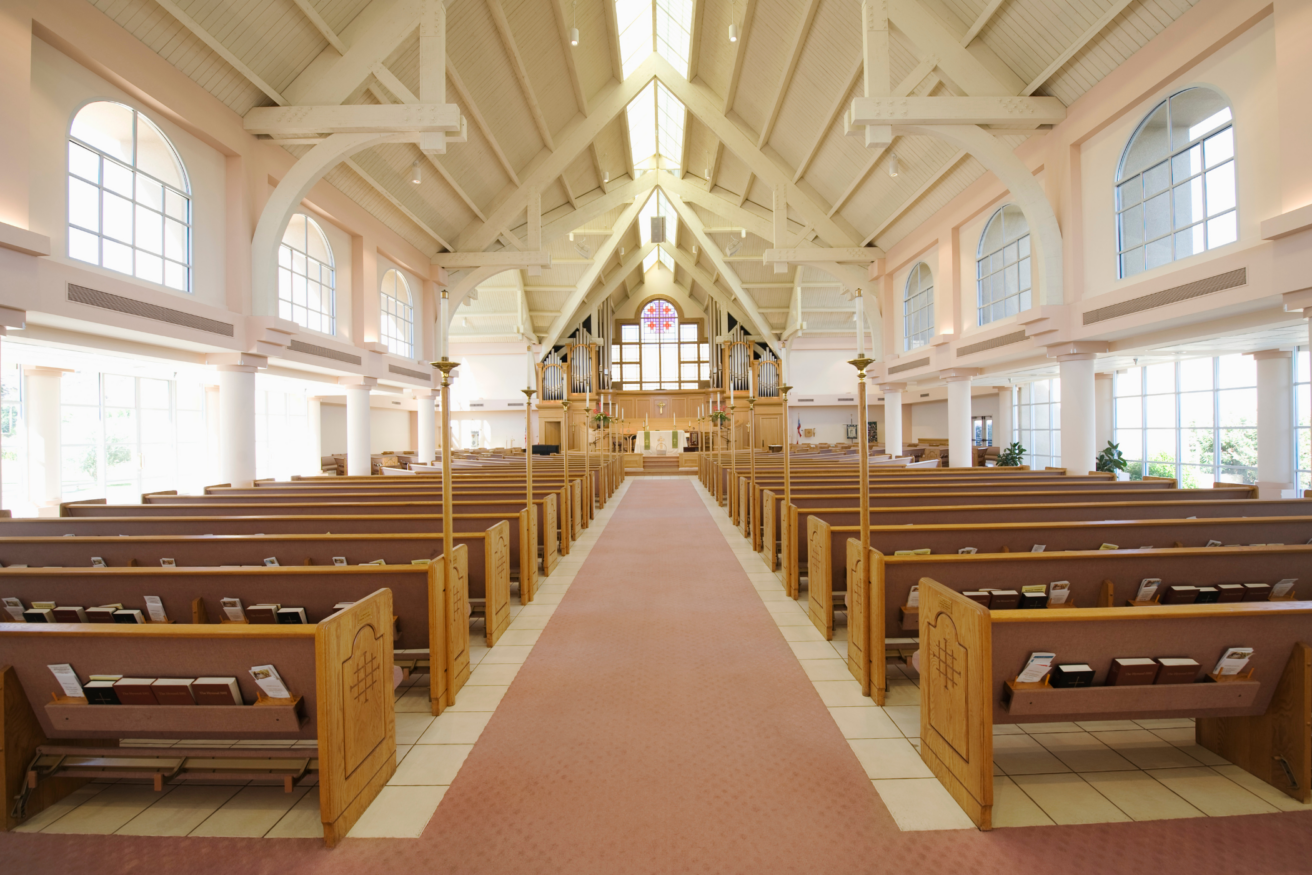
(514,403)
(1219,283)
(119,304)
(472,404)
(847,399)
(909,366)
(924,394)
(406,372)
(323,352)
(805,400)
(1004,340)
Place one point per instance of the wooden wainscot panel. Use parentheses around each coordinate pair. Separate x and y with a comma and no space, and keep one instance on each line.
(357,719)
(497,581)
(819,578)
(956,705)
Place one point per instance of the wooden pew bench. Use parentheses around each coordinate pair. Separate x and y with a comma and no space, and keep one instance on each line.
(1259,720)
(339,674)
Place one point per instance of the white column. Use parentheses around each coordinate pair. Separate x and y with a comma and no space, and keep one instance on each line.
(893,418)
(427,413)
(1103,405)
(45,488)
(960,453)
(314,425)
(1275,424)
(213,434)
(357,427)
(1002,422)
(237,424)
(1078,453)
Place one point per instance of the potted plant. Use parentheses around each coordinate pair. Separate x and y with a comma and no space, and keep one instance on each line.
(1012,457)
(600,420)
(1110,459)
(719,417)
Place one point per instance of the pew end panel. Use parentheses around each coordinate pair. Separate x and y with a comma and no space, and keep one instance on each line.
(768,536)
(496,587)
(819,579)
(457,620)
(528,559)
(858,633)
(550,538)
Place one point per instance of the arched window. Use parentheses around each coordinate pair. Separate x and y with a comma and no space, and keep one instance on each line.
(397,313)
(660,351)
(129,202)
(918,307)
(1002,270)
(1175,187)
(306,280)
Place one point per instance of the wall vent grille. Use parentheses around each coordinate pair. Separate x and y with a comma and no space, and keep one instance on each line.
(909,366)
(847,399)
(472,404)
(407,372)
(805,400)
(323,352)
(1219,283)
(994,343)
(119,304)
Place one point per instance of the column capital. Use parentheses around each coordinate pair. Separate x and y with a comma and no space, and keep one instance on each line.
(1262,355)
(237,361)
(891,387)
(1102,376)
(953,375)
(354,382)
(42,371)
(1077,350)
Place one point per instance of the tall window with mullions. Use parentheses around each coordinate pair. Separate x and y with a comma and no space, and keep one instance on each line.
(1175,187)
(918,307)
(1002,266)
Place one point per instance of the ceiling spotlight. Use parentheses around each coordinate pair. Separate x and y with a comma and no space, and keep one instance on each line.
(415,175)
(733,33)
(892,165)
(744,233)
(571,236)
(605,176)
(573,36)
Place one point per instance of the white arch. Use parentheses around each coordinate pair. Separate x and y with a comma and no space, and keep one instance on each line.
(1026,193)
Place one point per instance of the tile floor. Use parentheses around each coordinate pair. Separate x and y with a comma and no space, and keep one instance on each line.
(1046,773)
(429,750)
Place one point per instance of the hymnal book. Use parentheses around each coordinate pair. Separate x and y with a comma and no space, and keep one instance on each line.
(15,609)
(1208,595)
(913,598)
(232,610)
(1108,547)
(1233,660)
(923,551)
(97,562)
(70,615)
(1279,591)
(292,616)
(155,607)
(44,606)
(39,615)
(1257,592)
(1058,592)
(136,691)
(112,678)
(1147,589)
(268,680)
(1176,670)
(100,693)
(216,691)
(1182,594)
(1213,543)
(1038,548)
(1036,667)
(967,551)
(341,606)
(263,613)
(339,560)
(174,691)
(1071,674)
(1133,672)
(978,596)
(102,614)
(168,563)
(421,561)
(1003,599)
(128,616)
(1033,596)
(68,681)
(374,562)
(272,561)
(1230,592)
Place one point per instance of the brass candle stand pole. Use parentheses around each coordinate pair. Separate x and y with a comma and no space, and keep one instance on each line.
(446,366)
(568,515)
(751,449)
(528,468)
(863,455)
(788,486)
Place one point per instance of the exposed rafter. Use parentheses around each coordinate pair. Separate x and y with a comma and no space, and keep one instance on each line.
(786,79)
(715,166)
(597,168)
(835,112)
(739,54)
(983,19)
(1080,42)
(371,37)
(472,108)
(695,44)
(222,51)
(409,213)
(613,41)
(320,25)
(521,72)
(562,30)
(569,192)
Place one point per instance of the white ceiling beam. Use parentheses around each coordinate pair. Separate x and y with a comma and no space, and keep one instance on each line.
(602,256)
(378,187)
(472,108)
(747,188)
(983,19)
(569,192)
(695,47)
(626,146)
(969,74)
(830,120)
(371,37)
(613,41)
(562,30)
(506,259)
(707,282)
(597,168)
(222,51)
(739,55)
(573,140)
(849,311)
(957,110)
(320,25)
(1080,42)
(715,166)
(521,72)
(786,78)
(917,195)
(631,262)
(354,119)
(877,78)
(819,255)
(591,210)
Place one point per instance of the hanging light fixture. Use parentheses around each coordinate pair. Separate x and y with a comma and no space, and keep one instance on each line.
(744,233)
(605,176)
(733,26)
(892,165)
(415,176)
(574,31)
(571,236)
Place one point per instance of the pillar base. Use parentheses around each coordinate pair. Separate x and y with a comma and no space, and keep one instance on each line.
(1268,490)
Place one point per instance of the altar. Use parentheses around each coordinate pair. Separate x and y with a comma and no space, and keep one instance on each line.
(660,443)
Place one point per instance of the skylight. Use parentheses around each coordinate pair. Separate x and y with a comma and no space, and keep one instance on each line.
(655,119)
(664,27)
(657,206)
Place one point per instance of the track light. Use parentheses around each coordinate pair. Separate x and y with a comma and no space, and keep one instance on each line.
(415,175)
(744,233)
(605,176)
(892,165)
(733,33)
(573,36)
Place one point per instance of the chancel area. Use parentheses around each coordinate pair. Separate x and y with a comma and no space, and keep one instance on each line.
(650,436)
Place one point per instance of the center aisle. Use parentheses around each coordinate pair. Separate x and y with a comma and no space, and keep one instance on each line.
(661,724)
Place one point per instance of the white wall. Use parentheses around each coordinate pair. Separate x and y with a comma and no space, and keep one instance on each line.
(388,429)
(930,418)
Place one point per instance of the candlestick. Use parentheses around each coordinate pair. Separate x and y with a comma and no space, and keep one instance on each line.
(860,327)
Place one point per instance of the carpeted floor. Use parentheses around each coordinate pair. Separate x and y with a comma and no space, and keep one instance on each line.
(662,725)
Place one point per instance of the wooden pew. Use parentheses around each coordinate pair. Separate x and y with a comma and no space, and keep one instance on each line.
(338,672)
(1098,578)
(970,655)
(827,581)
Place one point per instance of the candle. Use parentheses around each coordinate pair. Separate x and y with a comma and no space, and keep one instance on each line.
(528,360)
(860,327)
(751,381)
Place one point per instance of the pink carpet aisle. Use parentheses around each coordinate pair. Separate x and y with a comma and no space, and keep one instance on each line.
(662,725)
